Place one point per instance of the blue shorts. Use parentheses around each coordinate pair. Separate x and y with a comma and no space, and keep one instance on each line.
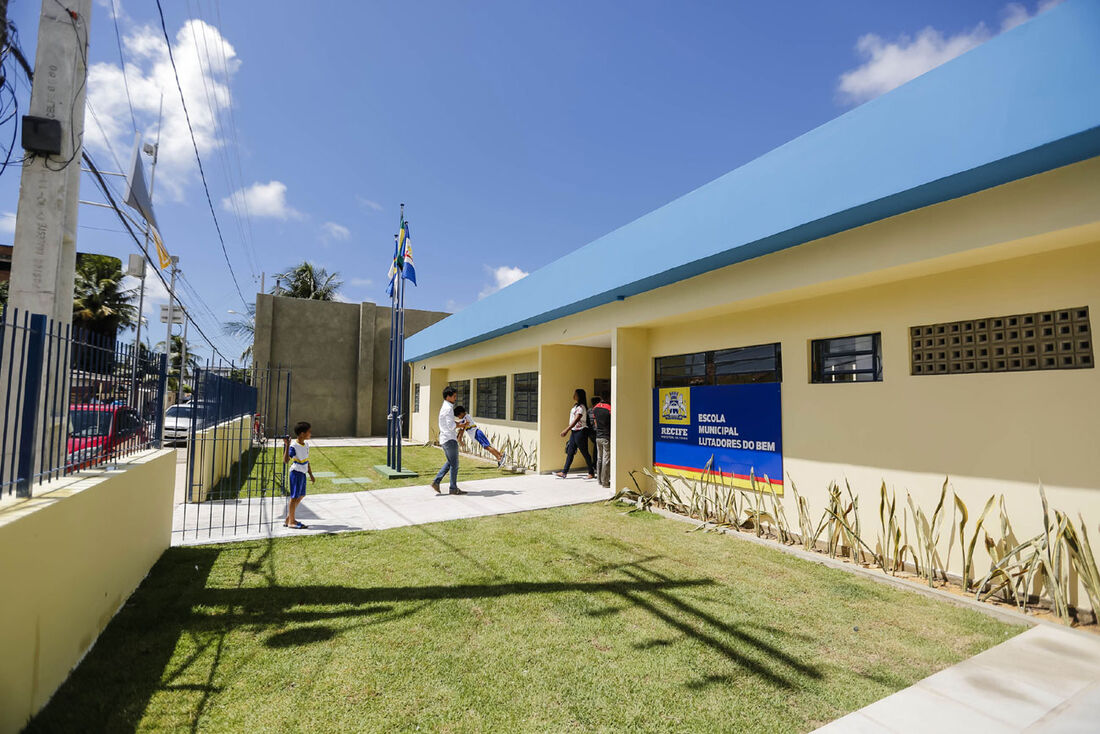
(481,438)
(297,484)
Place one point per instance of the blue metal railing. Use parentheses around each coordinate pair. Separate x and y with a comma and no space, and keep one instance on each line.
(71,399)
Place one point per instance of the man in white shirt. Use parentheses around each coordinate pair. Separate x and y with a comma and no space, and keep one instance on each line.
(448,441)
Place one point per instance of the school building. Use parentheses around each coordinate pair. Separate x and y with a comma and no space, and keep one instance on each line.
(902,294)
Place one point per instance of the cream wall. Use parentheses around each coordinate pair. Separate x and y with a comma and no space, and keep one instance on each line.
(216,451)
(990,433)
(73,557)
(562,369)
(432,381)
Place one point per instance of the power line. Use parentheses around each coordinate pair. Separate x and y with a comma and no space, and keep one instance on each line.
(195,145)
(122,61)
(106,190)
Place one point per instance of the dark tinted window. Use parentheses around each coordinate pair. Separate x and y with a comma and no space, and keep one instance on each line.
(491,398)
(760,363)
(847,359)
(525,397)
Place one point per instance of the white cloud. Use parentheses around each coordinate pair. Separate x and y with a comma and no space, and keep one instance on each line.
(891,64)
(502,277)
(206,62)
(366,203)
(361,282)
(263,200)
(7,223)
(334,231)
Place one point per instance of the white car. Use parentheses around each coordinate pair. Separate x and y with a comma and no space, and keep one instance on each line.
(177,423)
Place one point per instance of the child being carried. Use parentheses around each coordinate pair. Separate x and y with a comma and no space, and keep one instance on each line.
(465,423)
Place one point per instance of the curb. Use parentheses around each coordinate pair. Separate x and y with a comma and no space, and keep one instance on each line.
(1009,616)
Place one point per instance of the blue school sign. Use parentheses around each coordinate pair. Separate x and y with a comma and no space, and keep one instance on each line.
(740,426)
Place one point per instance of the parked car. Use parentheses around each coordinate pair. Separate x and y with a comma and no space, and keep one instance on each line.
(100,432)
(177,422)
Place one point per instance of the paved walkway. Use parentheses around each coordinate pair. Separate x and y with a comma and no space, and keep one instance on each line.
(219,522)
(1044,680)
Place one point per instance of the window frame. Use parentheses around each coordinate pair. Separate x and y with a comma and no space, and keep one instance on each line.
(818,356)
(499,385)
(531,396)
(416,397)
(462,393)
(689,373)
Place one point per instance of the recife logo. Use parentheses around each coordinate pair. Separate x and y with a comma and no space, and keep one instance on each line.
(675,406)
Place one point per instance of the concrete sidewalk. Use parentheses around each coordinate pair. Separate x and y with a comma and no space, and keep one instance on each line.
(220,522)
(1046,679)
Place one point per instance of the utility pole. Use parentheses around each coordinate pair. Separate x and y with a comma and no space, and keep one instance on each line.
(152,150)
(183,359)
(171,318)
(44,252)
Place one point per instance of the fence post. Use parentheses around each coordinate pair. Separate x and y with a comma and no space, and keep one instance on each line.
(36,342)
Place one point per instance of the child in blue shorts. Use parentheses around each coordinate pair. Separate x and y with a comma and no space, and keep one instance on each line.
(465,423)
(297,455)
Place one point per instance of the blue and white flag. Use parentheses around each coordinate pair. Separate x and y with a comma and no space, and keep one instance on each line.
(402,259)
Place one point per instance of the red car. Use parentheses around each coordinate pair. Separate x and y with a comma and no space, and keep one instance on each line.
(99,432)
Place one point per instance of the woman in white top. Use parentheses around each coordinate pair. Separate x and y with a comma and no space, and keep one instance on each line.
(578,433)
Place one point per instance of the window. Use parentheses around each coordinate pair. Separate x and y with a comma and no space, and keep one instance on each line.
(1048,340)
(847,359)
(525,397)
(462,393)
(416,397)
(740,365)
(491,398)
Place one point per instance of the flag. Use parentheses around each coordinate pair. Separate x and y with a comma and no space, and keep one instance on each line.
(137,196)
(402,259)
(408,270)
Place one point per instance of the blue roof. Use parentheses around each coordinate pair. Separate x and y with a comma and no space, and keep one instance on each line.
(1025,102)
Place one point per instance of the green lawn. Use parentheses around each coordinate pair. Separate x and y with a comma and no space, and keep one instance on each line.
(580,618)
(352,468)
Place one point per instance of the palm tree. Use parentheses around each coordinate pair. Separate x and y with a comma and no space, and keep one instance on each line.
(243,327)
(100,304)
(307,281)
(174,362)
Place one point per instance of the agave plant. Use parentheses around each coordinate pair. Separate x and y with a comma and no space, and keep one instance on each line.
(967,549)
(928,537)
(805,522)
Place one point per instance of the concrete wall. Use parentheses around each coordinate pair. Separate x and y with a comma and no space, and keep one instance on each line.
(216,450)
(73,557)
(338,354)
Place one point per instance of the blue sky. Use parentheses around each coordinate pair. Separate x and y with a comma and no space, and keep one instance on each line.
(515,132)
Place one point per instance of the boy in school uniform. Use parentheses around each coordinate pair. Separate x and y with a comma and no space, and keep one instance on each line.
(298,453)
(465,423)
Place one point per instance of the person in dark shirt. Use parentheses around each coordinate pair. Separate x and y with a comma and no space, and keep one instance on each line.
(601,422)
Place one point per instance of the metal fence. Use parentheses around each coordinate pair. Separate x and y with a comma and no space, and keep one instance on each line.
(236,479)
(71,399)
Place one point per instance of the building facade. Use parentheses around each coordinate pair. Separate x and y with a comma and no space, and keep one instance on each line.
(904,294)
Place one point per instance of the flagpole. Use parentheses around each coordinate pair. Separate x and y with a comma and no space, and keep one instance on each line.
(395,296)
(145,251)
(399,412)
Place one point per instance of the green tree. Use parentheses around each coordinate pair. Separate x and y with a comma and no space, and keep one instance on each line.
(3,294)
(174,362)
(308,281)
(243,327)
(100,303)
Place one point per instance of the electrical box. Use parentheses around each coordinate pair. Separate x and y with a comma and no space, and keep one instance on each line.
(136,266)
(41,135)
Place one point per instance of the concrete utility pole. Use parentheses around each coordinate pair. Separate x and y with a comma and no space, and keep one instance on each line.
(44,252)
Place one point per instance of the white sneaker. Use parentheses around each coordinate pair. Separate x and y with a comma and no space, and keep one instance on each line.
(500,462)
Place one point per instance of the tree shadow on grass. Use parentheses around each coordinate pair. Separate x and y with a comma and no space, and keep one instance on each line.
(175,608)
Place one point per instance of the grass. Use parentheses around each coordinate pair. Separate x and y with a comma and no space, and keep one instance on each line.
(577,618)
(355,463)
